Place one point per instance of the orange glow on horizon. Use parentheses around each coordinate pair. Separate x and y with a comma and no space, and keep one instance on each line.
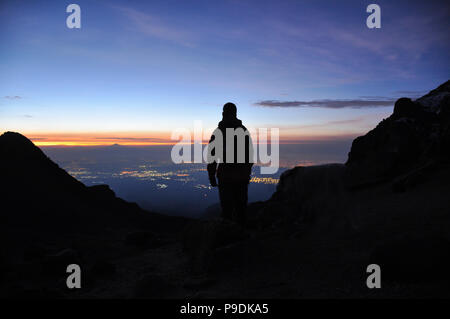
(87,143)
(101,139)
(149,139)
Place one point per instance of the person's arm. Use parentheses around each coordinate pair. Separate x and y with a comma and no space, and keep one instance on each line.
(249,154)
(212,173)
(212,167)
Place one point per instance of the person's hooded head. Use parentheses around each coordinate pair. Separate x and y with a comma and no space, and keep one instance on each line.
(229,118)
(229,111)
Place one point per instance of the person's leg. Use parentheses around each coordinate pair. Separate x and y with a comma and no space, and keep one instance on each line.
(226,200)
(240,200)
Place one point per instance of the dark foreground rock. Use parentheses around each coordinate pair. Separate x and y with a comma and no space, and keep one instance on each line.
(413,259)
(143,239)
(153,287)
(202,239)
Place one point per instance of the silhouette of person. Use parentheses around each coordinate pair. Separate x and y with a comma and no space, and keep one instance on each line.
(233,172)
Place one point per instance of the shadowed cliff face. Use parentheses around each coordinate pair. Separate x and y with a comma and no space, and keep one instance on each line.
(409,150)
(405,150)
(417,134)
(387,205)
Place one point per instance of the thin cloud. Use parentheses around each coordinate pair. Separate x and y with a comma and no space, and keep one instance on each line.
(12,97)
(154,27)
(326,124)
(330,104)
(375,97)
(412,94)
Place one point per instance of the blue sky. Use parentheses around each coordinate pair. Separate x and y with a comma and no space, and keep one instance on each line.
(145,68)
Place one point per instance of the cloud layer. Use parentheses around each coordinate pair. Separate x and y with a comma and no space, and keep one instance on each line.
(330,104)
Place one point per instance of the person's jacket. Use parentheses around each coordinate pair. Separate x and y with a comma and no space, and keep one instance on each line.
(232,172)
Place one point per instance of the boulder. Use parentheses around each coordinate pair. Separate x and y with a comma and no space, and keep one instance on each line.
(404,107)
(300,195)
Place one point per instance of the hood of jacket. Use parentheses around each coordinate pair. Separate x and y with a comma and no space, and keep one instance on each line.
(231,122)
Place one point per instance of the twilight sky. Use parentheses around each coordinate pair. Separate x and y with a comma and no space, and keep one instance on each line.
(136,71)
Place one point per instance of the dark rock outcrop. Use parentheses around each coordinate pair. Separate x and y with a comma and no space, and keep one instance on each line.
(302,195)
(413,259)
(416,133)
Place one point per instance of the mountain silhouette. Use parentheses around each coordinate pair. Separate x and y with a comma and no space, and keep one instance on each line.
(37,191)
(315,237)
(49,220)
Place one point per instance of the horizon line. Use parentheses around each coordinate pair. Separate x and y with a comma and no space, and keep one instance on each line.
(97,140)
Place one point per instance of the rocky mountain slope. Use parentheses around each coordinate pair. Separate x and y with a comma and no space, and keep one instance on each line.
(414,137)
(325,224)
(50,220)
(387,205)
(314,238)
